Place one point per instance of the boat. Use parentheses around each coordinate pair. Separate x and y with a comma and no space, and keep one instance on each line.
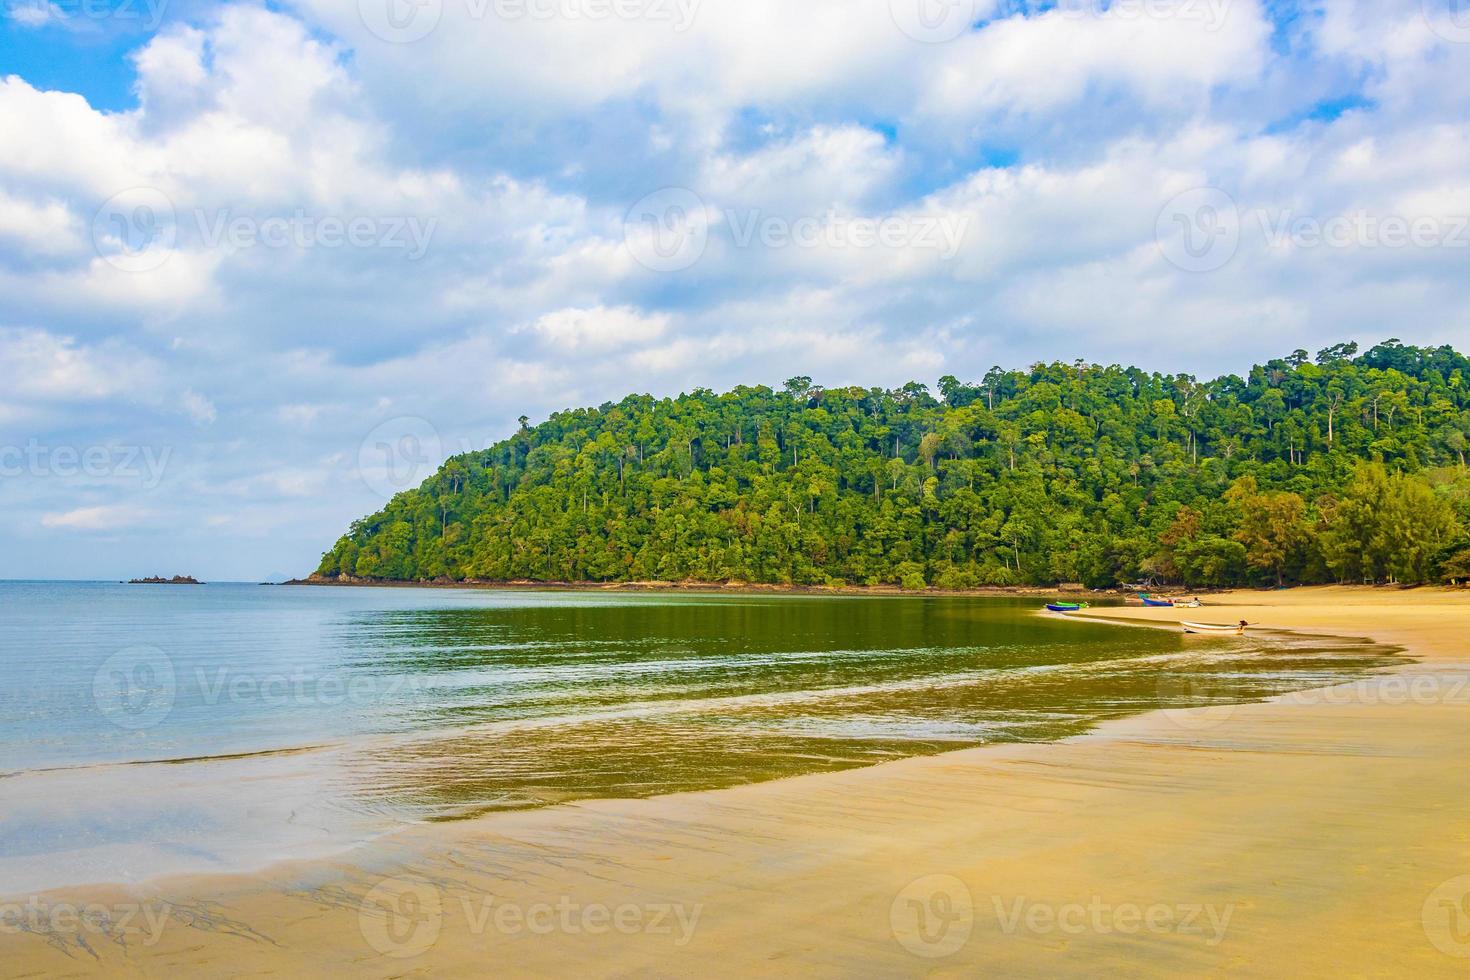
(1238,629)
(1156,602)
(1063,607)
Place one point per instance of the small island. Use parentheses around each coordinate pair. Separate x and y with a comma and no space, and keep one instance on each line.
(160,580)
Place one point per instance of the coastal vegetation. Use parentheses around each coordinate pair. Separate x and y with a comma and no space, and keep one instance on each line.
(1343,467)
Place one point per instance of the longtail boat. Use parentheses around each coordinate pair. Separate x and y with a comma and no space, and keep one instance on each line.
(1238,629)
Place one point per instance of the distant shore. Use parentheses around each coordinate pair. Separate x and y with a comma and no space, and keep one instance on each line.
(694,585)
(987,591)
(1316,834)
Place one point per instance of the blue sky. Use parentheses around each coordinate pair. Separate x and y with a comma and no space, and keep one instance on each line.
(261,265)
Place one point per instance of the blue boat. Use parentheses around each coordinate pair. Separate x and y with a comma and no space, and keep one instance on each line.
(1156,602)
(1065,607)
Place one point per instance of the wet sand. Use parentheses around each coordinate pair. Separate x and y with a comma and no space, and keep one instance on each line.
(1324,833)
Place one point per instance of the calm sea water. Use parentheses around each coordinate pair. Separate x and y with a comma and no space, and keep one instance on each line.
(154,729)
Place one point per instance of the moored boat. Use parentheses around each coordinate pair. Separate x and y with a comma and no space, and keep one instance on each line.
(1063,607)
(1238,629)
(1157,602)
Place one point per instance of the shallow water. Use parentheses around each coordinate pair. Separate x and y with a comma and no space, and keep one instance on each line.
(156,729)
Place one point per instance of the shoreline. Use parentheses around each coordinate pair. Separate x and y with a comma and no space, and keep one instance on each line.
(771,588)
(1232,805)
(696,586)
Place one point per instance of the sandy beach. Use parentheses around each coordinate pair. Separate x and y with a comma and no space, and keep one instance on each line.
(1321,834)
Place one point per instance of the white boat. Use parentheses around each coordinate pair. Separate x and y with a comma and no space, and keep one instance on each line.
(1238,629)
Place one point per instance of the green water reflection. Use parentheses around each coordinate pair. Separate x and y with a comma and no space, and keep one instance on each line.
(539,702)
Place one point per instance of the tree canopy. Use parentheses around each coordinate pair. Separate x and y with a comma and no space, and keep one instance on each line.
(1344,467)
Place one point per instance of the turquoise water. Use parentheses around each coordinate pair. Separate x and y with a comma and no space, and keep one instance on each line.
(149,729)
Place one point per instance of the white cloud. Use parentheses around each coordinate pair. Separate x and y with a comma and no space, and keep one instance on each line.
(35,13)
(45,367)
(598,328)
(1161,53)
(198,408)
(44,226)
(698,55)
(824,166)
(108,517)
(68,146)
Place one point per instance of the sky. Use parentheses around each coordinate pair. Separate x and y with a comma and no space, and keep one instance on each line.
(264,265)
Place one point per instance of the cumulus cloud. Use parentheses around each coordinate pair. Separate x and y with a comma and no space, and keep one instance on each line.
(1160,53)
(822,166)
(46,226)
(45,367)
(697,54)
(598,328)
(100,518)
(36,13)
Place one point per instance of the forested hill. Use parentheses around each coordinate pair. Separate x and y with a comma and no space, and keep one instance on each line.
(1342,467)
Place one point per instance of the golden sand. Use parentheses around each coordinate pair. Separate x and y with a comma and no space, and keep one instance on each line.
(1319,834)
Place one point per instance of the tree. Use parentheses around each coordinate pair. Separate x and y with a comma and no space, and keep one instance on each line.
(1454,565)
(1386,527)
(1273,529)
(929,448)
(1336,353)
(1335,395)
(1176,539)
(799,388)
(1457,442)
(1212,561)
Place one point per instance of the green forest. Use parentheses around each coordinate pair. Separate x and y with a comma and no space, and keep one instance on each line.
(1338,467)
